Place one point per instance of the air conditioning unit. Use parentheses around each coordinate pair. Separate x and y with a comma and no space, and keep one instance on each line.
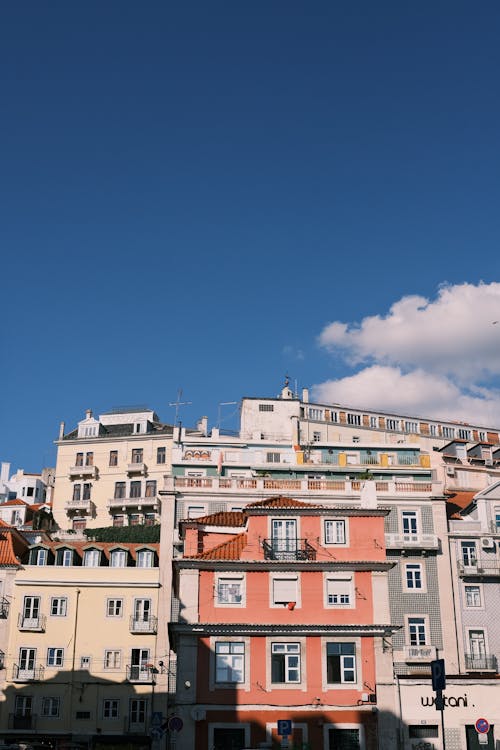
(487,543)
(450,471)
(488,462)
(368,697)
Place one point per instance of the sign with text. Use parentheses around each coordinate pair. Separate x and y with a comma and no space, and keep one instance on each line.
(285,727)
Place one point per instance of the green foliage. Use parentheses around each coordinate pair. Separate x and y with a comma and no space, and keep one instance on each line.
(147,534)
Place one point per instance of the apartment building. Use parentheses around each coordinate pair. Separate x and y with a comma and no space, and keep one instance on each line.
(109,469)
(282,614)
(84,661)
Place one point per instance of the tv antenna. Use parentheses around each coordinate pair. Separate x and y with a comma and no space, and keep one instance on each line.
(178,404)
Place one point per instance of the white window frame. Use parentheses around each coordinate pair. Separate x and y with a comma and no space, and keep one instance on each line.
(479,588)
(60,604)
(85,662)
(422,589)
(112,659)
(345,667)
(55,657)
(233,652)
(355,420)
(51,707)
(480,629)
(118,558)
(91,558)
(201,508)
(345,584)
(471,556)
(412,513)
(288,577)
(227,578)
(144,558)
(111,604)
(335,539)
(114,705)
(409,625)
(289,651)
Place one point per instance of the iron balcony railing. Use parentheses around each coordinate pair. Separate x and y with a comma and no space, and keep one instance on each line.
(27,674)
(4,608)
(484,663)
(139,673)
(34,623)
(22,721)
(480,567)
(288,549)
(143,625)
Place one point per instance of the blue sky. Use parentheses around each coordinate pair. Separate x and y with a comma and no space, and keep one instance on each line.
(193,192)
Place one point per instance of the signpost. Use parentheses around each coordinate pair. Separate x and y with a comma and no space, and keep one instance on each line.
(438,673)
(482,728)
(285,730)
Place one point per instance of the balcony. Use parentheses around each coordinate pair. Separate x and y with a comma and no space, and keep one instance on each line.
(123,503)
(22,721)
(27,674)
(288,549)
(139,673)
(419,653)
(137,467)
(482,568)
(134,727)
(484,663)
(83,506)
(314,487)
(412,541)
(34,624)
(75,472)
(140,625)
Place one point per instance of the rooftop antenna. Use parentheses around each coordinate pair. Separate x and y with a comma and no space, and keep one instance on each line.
(223,403)
(178,404)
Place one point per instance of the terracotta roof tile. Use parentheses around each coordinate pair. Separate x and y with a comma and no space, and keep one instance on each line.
(17,501)
(224,518)
(104,547)
(11,546)
(457,501)
(281,502)
(230,550)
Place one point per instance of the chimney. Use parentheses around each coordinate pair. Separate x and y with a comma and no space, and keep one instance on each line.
(5,471)
(88,413)
(305,395)
(61,430)
(202,425)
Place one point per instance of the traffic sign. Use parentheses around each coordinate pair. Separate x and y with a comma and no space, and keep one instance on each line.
(284,727)
(438,673)
(156,733)
(156,719)
(175,724)
(482,726)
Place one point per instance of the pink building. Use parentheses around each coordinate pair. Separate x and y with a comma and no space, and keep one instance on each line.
(283,616)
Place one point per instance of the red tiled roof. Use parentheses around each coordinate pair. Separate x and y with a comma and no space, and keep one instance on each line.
(105,547)
(457,501)
(11,546)
(230,550)
(37,506)
(281,502)
(17,501)
(224,518)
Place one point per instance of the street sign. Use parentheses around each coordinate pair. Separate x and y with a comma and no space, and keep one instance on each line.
(482,739)
(156,719)
(156,733)
(175,724)
(482,726)
(438,673)
(284,727)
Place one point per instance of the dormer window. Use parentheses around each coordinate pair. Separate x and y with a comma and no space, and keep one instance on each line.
(91,558)
(39,556)
(144,558)
(64,557)
(119,558)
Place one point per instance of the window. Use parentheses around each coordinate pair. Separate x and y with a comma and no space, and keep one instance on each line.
(40,556)
(285,662)
(285,590)
(91,558)
(448,432)
(497,519)
(273,458)
(142,610)
(137,454)
(58,606)
(417,631)
(139,660)
(315,413)
(477,649)
(409,523)
(79,459)
(335,532)
(316,437)
(423,732)
(137,710)
(354,419)
(392,424)
(472,596)
(114,607)
(411,426)
(77,492)
(89,459)
(120,490)
(110,708)
(113,458)
(469,557)
(151,488)
(85,662)
(119,558)
(23,705)
(266,407)
(135,489)
(30,491)
(161,454)
(340,663)
(55,657)
(413,575)
(432,430)
(149,519)
(51,707)
(464,434)
(27,660)
(119,520)
(134,519)
(82,714)
(338,591)
(482,436)
(79,524)
(31,611)
(86,490)
(373,423)
(112,659)
(144,558)
(229,590)
(196,511)
(229,661)
(64,557)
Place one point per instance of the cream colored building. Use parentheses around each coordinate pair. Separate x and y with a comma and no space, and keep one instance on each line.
(87,647)
(110,468)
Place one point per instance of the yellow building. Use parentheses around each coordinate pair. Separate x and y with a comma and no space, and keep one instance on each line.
(109,470)
(86,653)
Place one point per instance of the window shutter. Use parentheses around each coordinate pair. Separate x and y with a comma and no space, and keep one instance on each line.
(284,590)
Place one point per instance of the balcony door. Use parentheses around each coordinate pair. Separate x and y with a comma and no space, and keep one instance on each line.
(31,611)
(477,649)
(410,526)
(284,535)
(27,659)
(139,670)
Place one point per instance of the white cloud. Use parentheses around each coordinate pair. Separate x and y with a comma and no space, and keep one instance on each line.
(452,335)
(293,352)
(431,358)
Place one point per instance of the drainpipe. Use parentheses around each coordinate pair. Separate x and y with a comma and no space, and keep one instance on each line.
(73,661)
